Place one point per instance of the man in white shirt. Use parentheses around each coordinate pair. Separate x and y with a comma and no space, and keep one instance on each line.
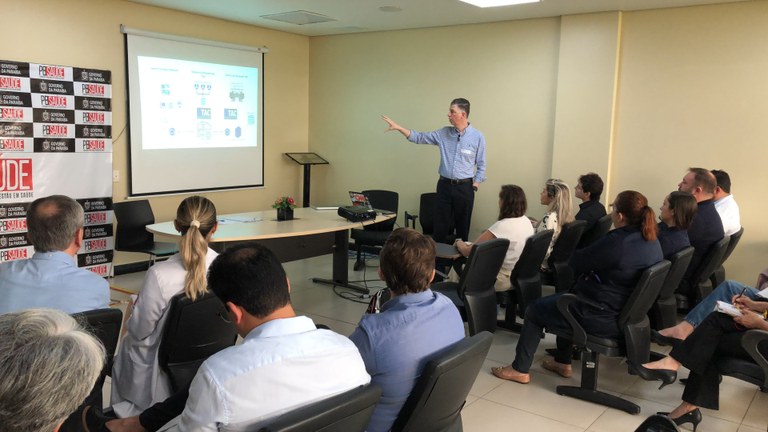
(725,204)
(284,361)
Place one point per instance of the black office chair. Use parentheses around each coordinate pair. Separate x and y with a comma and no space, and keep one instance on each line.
(346,412)
(755,371)
(426,217)
(474,295)
(598,230)
(105,325)
(525,279)
(372,237)
(193,332)
(131,234)
(699,284)
(635,344)
(657,423)
(663,313)
(718,276)
(440,393)
(560,273)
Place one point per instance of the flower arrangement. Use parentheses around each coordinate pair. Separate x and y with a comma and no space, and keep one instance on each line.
(285,202)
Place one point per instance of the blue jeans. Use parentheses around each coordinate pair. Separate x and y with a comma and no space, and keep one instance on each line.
(724,292)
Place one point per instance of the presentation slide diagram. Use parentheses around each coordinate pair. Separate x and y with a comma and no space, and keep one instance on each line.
(187,104)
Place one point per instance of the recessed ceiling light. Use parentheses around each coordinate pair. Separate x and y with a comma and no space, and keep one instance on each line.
(495,3)
(390,9)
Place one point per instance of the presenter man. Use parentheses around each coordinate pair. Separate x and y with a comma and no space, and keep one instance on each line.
(462,168)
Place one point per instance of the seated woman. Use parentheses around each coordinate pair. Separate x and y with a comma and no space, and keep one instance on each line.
(512,225)
(719,334)
(137,380)
(609,270)
(676,216)
(556,195)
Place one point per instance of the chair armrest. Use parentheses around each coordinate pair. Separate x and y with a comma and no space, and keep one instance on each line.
(411,218)
(579,334)
(750,342)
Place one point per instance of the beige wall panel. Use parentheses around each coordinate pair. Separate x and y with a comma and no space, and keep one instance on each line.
(506,70)
(86,33)
(586,84)
(693,93)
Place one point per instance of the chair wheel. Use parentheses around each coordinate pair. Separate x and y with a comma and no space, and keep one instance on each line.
(359,265)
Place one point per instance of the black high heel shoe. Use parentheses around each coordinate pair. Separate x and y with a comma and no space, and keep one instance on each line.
(692,417)
(666,376)
(664,340)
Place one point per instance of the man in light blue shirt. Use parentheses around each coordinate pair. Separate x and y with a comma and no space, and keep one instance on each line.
(462,168)
(412,326)
(51,278)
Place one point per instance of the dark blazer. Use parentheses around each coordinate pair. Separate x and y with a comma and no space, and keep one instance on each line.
(590,211)
(672,240)
(705,230)
(609,270)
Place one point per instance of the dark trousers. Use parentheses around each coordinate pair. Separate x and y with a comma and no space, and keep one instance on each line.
(718,335)
(540,314)
(454,208)
(156,416)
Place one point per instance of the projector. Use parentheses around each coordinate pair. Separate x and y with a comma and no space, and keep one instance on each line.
(356,213)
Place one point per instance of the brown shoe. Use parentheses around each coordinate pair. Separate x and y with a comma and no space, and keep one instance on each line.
(564,370)
(510,374)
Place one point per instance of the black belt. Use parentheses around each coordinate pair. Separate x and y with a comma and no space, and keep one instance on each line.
(456,181)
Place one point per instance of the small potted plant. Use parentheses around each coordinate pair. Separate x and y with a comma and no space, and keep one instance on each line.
(284,206)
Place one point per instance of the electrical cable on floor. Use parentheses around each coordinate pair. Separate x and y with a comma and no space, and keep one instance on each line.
(355,296)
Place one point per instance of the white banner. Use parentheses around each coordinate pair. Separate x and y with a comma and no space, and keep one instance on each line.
(56,138)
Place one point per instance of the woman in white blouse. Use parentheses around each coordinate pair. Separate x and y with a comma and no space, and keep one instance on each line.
(512,225)
(556,195)
(137,381)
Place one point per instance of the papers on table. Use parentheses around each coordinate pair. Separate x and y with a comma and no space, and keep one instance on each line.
(763,293)
(238,219)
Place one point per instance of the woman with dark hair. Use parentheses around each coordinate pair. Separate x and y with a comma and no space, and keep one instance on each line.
(608,271)
(512,225)
(676,216)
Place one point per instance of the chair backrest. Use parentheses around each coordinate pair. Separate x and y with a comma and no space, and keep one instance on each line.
(712,259)
(193,332)
(657,423)
(105,325)
(346,412)
(483,264)
(732,242)
(476,285)
(132,218)
(566,242)
(598,230)
(383,200)
(436,400)
(526,275)
(679,264)
(644,295)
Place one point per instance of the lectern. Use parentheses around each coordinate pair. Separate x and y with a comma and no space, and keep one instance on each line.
(307,160)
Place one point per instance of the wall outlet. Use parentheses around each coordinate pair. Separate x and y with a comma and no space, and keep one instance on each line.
(115,176)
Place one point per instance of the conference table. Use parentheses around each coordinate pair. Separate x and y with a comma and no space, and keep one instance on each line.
(311,233)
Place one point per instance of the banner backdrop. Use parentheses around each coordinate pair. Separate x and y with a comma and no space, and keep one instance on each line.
(56,138)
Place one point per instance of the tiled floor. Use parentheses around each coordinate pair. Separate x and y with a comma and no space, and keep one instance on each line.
(497,405)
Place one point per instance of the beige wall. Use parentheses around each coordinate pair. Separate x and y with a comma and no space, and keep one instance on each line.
(637,97)
(86,33)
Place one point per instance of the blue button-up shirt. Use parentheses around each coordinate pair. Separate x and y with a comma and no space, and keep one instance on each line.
(396,343)
(50,280)
(462,155)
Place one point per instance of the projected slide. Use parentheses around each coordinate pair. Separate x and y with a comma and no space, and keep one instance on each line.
(187,104)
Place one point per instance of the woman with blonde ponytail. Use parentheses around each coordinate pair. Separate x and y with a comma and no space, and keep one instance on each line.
(137,380)
(608,270)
